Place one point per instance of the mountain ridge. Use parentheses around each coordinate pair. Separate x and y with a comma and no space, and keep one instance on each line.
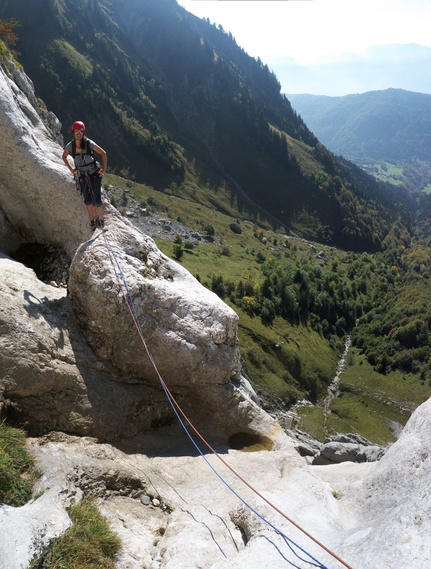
(392,126)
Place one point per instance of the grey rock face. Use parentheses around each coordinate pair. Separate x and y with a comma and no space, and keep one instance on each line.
(49,375)
(348,448)
(38,200)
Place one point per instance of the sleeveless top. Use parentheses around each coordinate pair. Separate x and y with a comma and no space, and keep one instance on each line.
(85,160)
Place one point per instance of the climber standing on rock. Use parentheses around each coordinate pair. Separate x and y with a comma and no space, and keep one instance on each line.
(87,171)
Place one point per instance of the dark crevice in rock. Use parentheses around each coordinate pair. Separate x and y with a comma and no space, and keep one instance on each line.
(50,263)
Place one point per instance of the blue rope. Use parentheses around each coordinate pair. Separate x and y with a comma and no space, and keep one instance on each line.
(288,540)
(318,563)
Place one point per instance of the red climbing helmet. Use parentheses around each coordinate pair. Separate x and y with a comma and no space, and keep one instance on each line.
(78,125)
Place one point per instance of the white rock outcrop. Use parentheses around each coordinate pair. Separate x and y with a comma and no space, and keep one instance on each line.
(39,202)
(49,375)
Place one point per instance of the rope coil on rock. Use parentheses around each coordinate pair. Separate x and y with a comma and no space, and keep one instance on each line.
(183,419)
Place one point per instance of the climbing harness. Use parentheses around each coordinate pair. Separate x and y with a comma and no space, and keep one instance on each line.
(188,426)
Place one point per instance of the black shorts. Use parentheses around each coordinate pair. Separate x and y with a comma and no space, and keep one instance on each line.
(91,188)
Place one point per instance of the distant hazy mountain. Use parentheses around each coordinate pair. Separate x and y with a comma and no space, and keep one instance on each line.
(391,125)
(380,67)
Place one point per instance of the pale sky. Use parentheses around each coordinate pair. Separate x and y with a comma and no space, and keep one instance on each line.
(316,31)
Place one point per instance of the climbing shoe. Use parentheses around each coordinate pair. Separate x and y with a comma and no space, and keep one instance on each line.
(101,223)
(93,224)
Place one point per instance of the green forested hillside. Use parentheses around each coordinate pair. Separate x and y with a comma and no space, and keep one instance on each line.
(180,106)
(388,133)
